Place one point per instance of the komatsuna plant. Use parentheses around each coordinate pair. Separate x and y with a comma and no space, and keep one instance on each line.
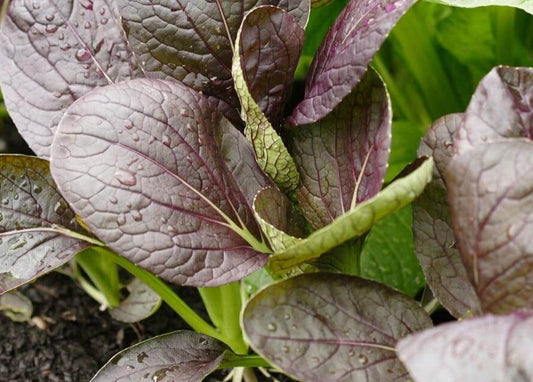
(166,146)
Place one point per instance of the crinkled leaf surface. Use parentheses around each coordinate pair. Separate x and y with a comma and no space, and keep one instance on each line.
(141,303)
(500,108)
(140,163)
(342,159)
(35,222)
(487,348)
(271,153)
(283,225)
(388,254)
(180,356)
(195,44)
(435,241)
(52,53)
(357,221)
(270,43)
(526,5)
(332,327)
(344,56)
(491,193)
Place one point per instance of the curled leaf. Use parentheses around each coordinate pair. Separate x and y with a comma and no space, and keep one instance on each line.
(342,159)
(332,327)
(256,33)
(141,303)
(357,221)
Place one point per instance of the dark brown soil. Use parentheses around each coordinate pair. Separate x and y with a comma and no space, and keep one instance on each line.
(77,338)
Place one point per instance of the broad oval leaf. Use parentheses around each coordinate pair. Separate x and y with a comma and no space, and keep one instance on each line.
(357,221)
(490,195)
(435,241)
(487,348)
(332,327)
(36,224)
(526,5)
(140,163)
(271,153)
(141,303)
(342,159)
(344,55)
(180,356)
(195,46)
(499,109)
(53,53)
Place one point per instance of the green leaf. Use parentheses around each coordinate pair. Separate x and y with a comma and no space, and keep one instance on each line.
(406,136)
(332,327)
(526,5)
(272,155)
(16,306)
(357,221)
(141,303)
(388,254)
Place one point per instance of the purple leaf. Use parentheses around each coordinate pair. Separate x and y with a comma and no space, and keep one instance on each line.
(180,356)
(490,194)
(270,44)
(344,56)
(332,327)
(35,222)
(488,348)
(195,44)
(435,243)
(141,303)
(500,108)
(139,162)
(52,54)
(343,158)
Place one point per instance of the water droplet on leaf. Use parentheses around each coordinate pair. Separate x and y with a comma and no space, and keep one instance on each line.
(83,54)
(126,178)
(137,216)
(363,360)
(60,208)
(166,140)
(272,327)
(121,219)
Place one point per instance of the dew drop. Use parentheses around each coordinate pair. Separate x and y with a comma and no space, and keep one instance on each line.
(5,201)
(87,75)
(135,137)
(172,230)
(390,7)
(37,189)
(16,196)
(102,11)
(183,112)
(83,54)
(287,316)
(18,244)
(65,47)
(166,140)
(51,28)
(151,139)
(87,4)
(126,178)
(272,327)
(363,360)
(49,18)
(128,124)
(203,341)
(113,200)
(164,220)
(60,208)
(368,21)
(351,353)
(36,5)
(285,349)
(137,216)
(104,21)
(121,219)
(61,36)
(190,128)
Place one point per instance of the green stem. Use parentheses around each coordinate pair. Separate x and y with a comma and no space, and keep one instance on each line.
(223,305)
(233,360)
(163,290)
(103,273)
(432,306)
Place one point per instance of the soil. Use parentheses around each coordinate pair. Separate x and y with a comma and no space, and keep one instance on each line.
(69,338)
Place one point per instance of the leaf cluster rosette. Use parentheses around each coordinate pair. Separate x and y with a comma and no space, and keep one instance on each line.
(139,106)
(472,229)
